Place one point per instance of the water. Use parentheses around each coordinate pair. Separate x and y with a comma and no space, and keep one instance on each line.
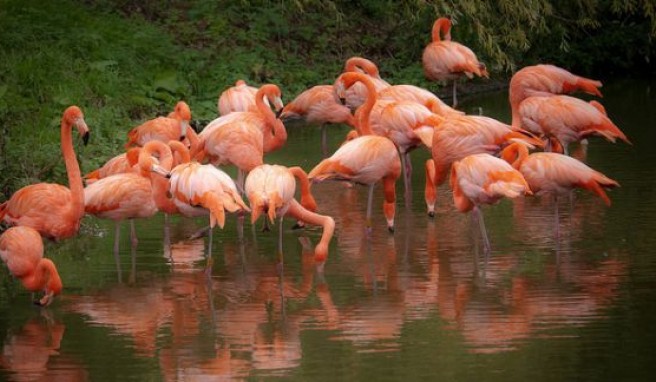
(421,303)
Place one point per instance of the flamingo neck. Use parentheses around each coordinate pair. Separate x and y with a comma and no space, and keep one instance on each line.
(45,276)
(364,111)
(441,26)
(307,200)
(160,184)
(180,153)
(515,154)
(72,170)
(275,134)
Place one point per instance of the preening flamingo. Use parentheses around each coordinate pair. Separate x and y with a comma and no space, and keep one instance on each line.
(52,209)
(419,95)
(568,119)
(444,59)
(240,97)
(357,94)
(21,248)
(545,80)
(366,160)
(164,129)
(270,189)
(131,195)
(460,136)
(126,162)
(318,105)
(557,174)
(483,179)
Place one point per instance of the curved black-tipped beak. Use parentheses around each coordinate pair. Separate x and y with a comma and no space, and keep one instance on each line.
(278,113)
(342,100)
(168,176)
(85,138)
(182,138)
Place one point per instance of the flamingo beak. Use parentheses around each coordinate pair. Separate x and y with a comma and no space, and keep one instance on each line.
(157,169)
(83,129)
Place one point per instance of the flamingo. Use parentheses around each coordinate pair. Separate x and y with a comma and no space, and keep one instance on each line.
(201,190)
(245,136)
(240,97)
(419,95)
(164,129)
(366,160)
(460,136)
(356,95)
(444,59)
(126,162)
(483,179)
(21,248)
(52,209)
(318,105)
(557,174)
(130,195)
(545,80)
(271,188)
(568,119)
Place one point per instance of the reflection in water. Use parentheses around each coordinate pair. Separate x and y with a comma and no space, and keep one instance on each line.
(32,353)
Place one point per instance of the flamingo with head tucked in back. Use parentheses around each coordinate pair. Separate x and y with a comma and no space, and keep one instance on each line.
(52,209)
(356,95)
(556,174)
(21,248)
(270,189)
(126,162)
(163,129)
(483,179)
(444,59)
(240,97)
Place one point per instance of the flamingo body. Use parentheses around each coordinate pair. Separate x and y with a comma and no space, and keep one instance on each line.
(240,97)
(120,197)
(119,164)
(419,95)
(318,105)
(356,95)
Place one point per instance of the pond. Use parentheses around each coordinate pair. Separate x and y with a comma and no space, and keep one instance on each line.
(421,303)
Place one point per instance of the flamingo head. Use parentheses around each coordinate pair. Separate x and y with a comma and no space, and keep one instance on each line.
(73,116)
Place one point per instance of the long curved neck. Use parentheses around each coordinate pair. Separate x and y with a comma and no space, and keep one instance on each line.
(275,134)
(368,67)
(180,153)
(264,109)
(72,170)
(307,200)
(441,25)
(515,154)
(38,279)
(161,185)
(364,111)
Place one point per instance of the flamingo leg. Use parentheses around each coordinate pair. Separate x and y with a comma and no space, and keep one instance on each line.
(167,238)
(133,234)
(280,232)
(133,269)
(370,200)
(324,140)
(556,218)
(208,268)
(117,258)
(481,222)
(455,97)
(407,176)
(430,190)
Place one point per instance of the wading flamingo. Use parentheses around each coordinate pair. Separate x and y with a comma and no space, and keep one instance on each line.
(270,189)
(240,97)
(356,95)
(484,179)
(21,248)
(366,160)
(126,162)
(567,119)
(444,59)
(164,129)
(318,105)
(419,95)
(557,174)
(131,195)
(52,209)
(545,80)
(460,136)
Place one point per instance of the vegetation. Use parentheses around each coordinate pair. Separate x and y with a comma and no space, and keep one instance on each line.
(124,62)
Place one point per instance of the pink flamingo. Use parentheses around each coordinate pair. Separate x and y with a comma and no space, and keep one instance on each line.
(240,97)
(357,94)
(164,129)
(126,162)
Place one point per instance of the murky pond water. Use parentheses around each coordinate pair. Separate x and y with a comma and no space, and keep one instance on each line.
(421,303)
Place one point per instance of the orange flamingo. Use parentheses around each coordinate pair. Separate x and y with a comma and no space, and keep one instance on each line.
(357,94)
(460,136)
(240,97)
(52,209)
(126,162)
(557,174)
(271,188)
(21,248)
(444,59)
(419,95)
(568,119)
(365,160)
(164,129)
(483,179)
(318,105)
(243,140)
(545,80)
(130,195)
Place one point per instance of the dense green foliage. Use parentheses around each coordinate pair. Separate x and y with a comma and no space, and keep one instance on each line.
(123,62)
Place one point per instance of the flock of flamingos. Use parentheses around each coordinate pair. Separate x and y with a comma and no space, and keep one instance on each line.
(163,168)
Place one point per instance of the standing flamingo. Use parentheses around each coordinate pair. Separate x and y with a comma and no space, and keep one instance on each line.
(545,80)
(357,94)
(130,195)
(445,60)
(557,174)
(318,105)
(484,179)
(164,129)
(126,162)
(21,248)
(419,95)
(460,136)
(567,119)
(240,97)
(365,160)
(52,209)
(271,188)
